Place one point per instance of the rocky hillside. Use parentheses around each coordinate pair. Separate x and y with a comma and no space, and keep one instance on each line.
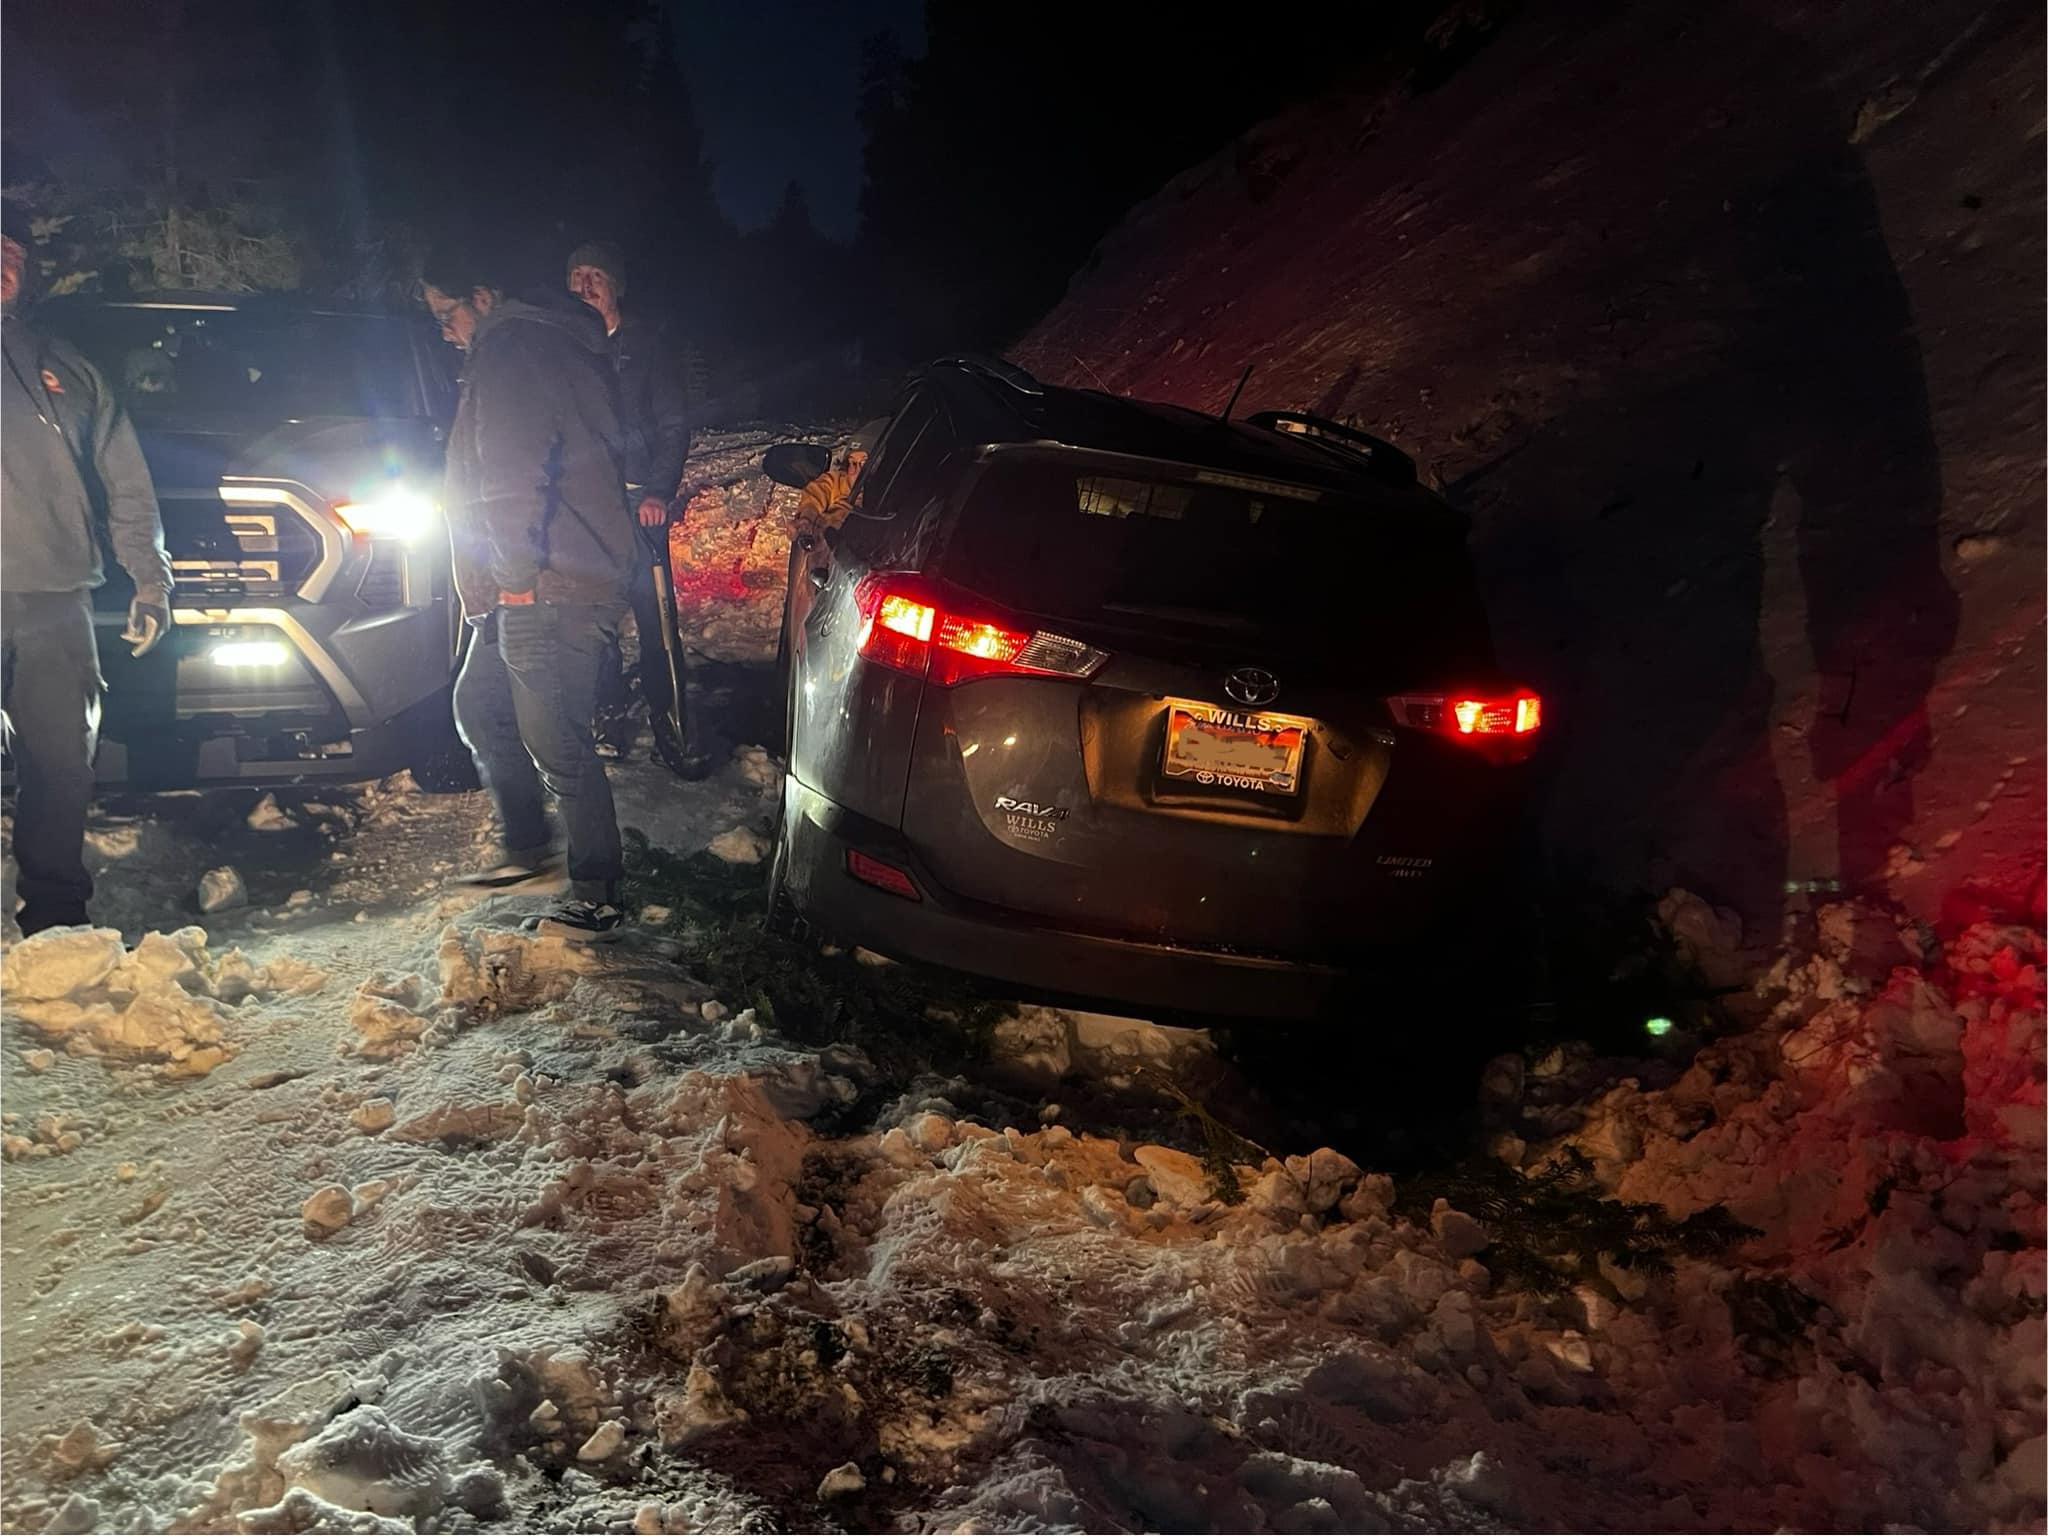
(1724,322)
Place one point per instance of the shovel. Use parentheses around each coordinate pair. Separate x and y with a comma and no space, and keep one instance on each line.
(674,740)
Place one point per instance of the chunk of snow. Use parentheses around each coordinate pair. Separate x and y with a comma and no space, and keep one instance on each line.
(327,1210)
(114,842)
(222,889)
(268,816)
(1325,1177)
(700,1409)
(1460,1235)
(605,1442)
(843,1481)
(754,766)
(1277,1196)
(930,1132)
(163,1002)
(388,1014)
(1036,1041)
(302,1512)
(362,1460)
(738,845)
(769,1274)
(1176,1176)
(60,962)
(373,1115)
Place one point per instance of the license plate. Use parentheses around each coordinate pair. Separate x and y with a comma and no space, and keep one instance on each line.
(1220,748)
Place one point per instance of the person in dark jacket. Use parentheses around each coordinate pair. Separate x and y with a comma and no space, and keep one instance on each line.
(543,552)
(69,464)
(654,404)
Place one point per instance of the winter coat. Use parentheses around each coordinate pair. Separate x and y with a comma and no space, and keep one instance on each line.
(828,499)
(536,493)
(69,462)
(655,406)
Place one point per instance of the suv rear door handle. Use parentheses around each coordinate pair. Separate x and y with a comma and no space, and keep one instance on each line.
(819,576)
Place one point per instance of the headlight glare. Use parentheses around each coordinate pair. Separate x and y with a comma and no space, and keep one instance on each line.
(397,513)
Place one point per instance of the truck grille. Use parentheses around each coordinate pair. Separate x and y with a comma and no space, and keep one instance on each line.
(259,550)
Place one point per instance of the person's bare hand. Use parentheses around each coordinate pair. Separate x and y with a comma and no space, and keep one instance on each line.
(653,511)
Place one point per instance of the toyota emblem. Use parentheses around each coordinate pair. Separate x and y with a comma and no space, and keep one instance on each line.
(1251,685)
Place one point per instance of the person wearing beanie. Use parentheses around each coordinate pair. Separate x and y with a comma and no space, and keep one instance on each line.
(543,548)
(71,473)
(654,407)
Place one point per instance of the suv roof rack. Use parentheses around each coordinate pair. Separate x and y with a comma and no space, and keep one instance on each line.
(994,368)
(1338,438)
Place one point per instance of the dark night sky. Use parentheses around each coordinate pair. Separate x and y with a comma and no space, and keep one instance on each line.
(776,83)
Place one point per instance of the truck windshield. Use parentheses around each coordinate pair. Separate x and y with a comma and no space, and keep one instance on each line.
(225,367)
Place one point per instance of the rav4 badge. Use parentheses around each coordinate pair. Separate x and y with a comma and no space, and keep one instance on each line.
(1028,819)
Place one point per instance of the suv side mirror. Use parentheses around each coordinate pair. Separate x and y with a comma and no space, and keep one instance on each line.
(796,464)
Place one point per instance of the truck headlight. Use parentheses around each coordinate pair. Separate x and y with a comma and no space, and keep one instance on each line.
(249,653)
(398,513)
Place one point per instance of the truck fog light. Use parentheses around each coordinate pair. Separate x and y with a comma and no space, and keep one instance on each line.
(249,653)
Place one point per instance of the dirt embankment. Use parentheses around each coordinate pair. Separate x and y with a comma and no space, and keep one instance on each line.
(1725,324)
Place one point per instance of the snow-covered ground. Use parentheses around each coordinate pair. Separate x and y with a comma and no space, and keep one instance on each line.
(346,1205)
(363,1210)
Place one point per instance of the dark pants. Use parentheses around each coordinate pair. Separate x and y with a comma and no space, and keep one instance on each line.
(523,706)
(50,688)
(615,678)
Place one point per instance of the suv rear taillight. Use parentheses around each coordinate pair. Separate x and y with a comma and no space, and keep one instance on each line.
(1504,725)
(903,625)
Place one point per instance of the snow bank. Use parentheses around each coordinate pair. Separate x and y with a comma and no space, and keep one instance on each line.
(1887,1136)
(165,1001)
(555,1240)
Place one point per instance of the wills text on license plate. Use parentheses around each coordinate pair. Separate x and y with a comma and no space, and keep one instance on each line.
(1233,749)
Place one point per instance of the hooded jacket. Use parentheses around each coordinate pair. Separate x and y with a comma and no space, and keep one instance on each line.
(536,492)
(69,460)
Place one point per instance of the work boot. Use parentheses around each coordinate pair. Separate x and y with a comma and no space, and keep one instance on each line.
(515,869)
(580,922)
(35,918)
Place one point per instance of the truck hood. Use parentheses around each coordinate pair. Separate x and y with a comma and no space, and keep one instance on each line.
(338,458)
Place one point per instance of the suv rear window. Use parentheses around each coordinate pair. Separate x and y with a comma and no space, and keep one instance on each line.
(1203,553)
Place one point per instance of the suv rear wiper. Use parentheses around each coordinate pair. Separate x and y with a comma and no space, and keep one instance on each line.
(1208,618)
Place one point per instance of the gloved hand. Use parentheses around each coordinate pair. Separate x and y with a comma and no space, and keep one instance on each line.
(149,620)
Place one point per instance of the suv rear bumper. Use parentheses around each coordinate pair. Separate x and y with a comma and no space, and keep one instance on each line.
(1049,964)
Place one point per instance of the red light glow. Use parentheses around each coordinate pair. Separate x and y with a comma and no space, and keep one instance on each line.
(883,877)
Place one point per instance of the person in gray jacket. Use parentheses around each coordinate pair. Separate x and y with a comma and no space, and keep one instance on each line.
(543,553)
(69,461)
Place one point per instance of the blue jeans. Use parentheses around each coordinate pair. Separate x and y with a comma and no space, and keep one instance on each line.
(523,705)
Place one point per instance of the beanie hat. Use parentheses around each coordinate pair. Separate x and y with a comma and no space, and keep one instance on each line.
(605,257)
